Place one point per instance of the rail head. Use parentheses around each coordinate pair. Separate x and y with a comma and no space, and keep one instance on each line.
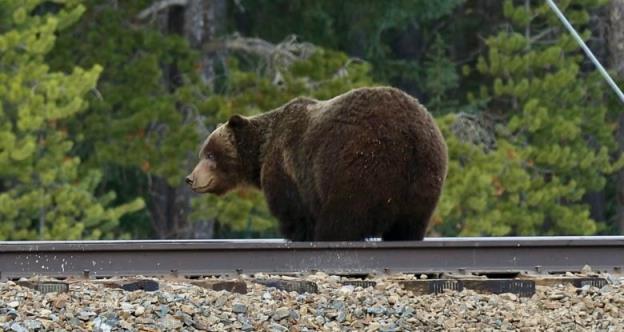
(280,244)
(218,257)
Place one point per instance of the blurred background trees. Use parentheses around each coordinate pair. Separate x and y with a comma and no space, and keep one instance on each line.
(551,141)
(45,193)
(104,104)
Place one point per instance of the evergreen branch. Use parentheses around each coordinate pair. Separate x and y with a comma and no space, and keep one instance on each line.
(539,36)
(289,50)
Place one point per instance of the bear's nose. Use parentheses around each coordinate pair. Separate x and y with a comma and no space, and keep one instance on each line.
(189,180)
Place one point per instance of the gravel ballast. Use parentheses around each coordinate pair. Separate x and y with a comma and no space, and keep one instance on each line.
(178,305)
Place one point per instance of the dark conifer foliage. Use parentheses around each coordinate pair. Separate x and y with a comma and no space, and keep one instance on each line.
(103,105)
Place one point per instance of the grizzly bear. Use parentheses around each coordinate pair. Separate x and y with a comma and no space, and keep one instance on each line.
(367,163)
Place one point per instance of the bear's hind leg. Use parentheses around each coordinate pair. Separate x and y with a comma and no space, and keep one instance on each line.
(325,232)
(339,225)
(407,228)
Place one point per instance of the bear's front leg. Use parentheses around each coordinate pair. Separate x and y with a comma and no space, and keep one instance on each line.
(285,203)
(294,222)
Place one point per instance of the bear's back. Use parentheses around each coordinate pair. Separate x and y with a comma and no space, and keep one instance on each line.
(368,105)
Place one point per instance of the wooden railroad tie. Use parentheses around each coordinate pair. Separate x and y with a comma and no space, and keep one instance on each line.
(523,286)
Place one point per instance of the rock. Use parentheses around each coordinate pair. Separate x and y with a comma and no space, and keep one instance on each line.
(335,307)
(281,313)
(337,304)
(376,310)
(10,314)
(346,290)
(86,315)
(13,304)
(221,300)
(139,310)
(163,310)
(44,313)
(239,308)
(101,324)
(17,327)
(449,323)
(165,297)
(188,309)
(552,305)
(509,297)
(274,327)
(73,321)
(170,323)
(557,296)
(45,324)
(60,300)
(374,326)
(125,306)
(33,324)
(531,322)
(126,325)
(612,279)
(341,316)
(187,319)
(201,323)
(388,328)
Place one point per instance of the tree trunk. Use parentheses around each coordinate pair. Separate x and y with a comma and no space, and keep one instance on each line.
(599,27)
(199,21)
(616,64)
(203,21)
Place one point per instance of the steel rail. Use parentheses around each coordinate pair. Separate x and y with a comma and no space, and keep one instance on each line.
(230,257)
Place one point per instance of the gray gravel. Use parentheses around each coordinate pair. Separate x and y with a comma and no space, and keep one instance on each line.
(178,305)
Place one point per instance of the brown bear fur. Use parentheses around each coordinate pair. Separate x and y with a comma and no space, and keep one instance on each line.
(370,162)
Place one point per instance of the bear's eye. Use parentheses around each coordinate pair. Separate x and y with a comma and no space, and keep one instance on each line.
(210,156)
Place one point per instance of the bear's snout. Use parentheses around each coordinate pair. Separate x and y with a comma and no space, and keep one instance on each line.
(189,179)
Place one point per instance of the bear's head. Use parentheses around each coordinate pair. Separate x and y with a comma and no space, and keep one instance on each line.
(219,169)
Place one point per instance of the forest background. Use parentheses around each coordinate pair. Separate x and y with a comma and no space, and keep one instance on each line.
(103,106)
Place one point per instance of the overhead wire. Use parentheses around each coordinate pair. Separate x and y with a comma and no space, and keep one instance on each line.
(589,53)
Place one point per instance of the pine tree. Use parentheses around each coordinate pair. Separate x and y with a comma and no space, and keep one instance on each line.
(141,127)
(549,141)
(43,193)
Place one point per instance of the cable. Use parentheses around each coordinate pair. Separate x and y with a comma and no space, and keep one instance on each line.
(589,53)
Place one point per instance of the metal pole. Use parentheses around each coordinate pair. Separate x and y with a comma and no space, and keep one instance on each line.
(589,53)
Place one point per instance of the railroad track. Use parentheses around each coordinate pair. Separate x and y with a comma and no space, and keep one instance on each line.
(190,258)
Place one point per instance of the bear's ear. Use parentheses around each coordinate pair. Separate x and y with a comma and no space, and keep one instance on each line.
(237,121)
